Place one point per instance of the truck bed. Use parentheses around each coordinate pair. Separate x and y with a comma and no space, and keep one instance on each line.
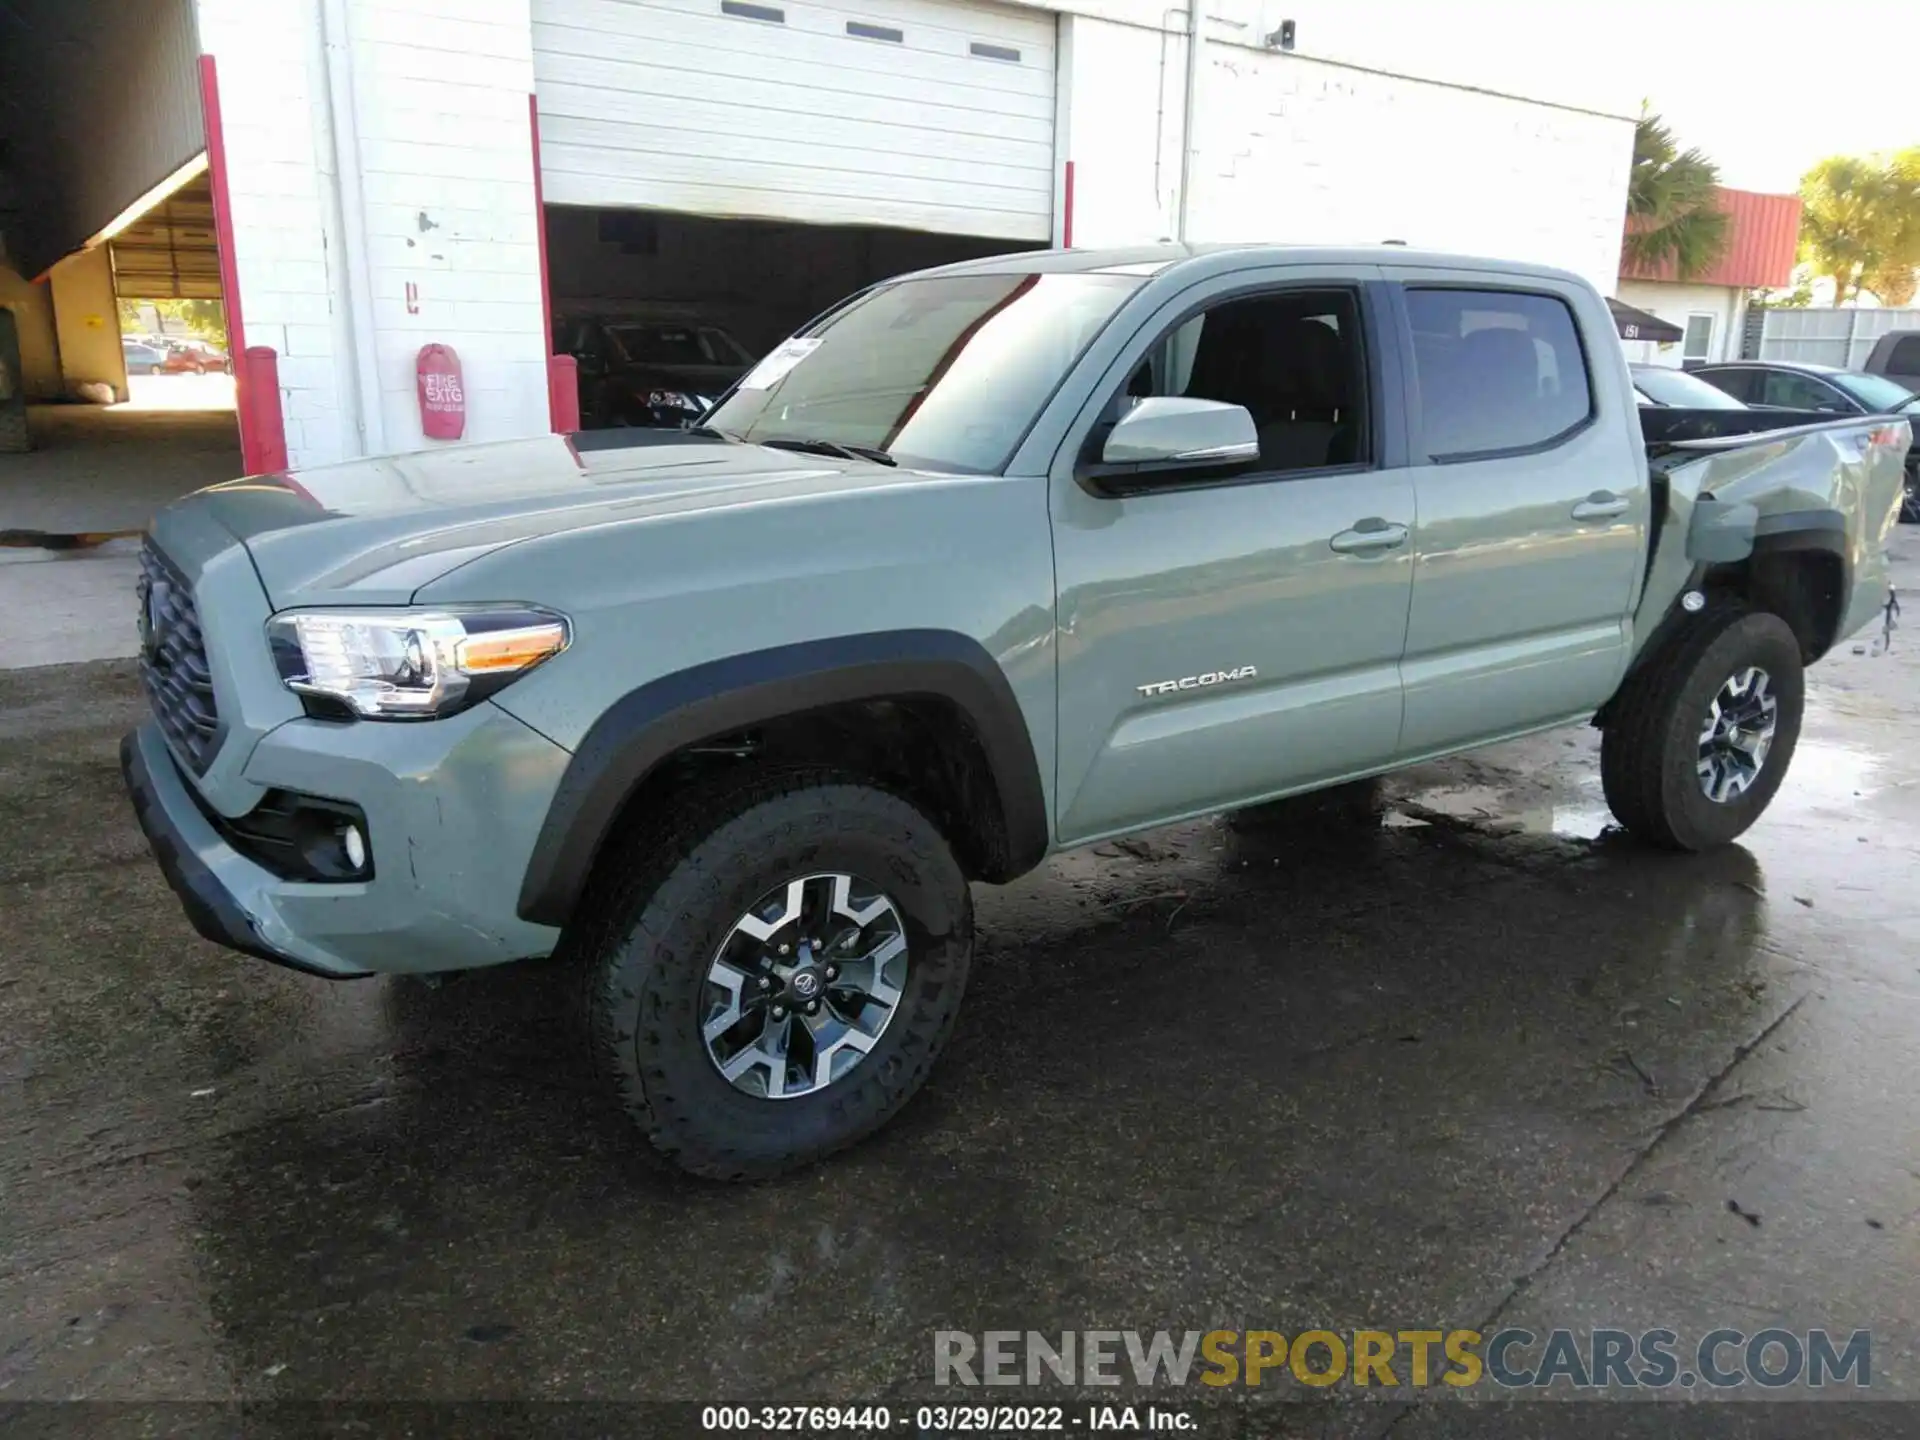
(1665,427)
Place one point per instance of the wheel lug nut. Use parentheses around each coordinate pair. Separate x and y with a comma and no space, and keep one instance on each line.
(833,972)
(765,984)
(778,1013)
(813,1007)
(786,949)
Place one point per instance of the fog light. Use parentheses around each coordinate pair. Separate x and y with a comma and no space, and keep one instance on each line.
(355,845)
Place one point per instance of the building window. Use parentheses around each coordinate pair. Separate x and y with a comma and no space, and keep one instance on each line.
(1699,342)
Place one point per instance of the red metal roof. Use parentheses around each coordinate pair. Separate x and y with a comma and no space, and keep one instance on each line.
(1763,232)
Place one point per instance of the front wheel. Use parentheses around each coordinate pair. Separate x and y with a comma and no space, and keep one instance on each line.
(773,974)
(1700,736)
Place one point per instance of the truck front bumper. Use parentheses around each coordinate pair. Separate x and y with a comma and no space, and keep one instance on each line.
(450,818)
(210,905)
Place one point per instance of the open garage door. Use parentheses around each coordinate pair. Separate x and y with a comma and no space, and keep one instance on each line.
(917,114)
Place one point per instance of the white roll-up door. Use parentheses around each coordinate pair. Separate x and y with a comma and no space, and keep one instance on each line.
(921,114)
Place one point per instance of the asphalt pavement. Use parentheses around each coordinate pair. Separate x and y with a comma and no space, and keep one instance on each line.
(1478,1064)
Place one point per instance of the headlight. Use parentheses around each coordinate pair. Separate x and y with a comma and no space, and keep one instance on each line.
(411,664)
(677,400)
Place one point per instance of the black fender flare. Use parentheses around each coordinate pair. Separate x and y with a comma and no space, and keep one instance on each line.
(1795,530)
(646,726)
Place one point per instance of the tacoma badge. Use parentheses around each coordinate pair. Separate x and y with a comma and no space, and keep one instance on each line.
(1196,682)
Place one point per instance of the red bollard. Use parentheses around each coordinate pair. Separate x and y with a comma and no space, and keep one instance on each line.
(263,427)
(563,393)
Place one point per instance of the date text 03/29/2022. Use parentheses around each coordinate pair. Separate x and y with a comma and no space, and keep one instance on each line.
(944,1419)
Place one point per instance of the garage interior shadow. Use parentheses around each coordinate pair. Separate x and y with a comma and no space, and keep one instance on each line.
(1200,1076)
(757,280)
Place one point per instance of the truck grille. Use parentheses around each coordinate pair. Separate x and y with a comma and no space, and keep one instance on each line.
(173,662)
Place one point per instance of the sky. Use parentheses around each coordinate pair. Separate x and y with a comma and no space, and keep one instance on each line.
(1764,89)
(1769,95)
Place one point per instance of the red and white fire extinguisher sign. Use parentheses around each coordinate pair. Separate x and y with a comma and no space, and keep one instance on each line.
(443,393)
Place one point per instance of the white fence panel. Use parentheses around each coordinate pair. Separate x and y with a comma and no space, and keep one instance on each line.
(1830,337)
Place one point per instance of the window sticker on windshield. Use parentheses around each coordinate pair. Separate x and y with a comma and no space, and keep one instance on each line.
(772,370)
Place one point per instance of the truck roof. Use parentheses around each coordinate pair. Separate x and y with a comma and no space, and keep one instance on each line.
(1215,258)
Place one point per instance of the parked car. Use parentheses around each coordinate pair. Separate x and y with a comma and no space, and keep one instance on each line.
(193,357)
(143,359)
(1794,385)
(1662,385)
(1897,357)
(649,369)
(989,562)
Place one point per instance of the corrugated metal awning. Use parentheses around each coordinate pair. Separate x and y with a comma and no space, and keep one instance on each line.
(170,253)
(1639,325)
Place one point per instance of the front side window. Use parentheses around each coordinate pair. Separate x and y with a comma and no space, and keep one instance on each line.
(1292,359)
(1875,392)
(945,373)
(1786,390)
(1498,370)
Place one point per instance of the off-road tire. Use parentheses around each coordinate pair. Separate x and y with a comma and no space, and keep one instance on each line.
(665,899)
(1650,745)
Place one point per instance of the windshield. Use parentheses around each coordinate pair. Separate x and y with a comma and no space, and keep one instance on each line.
(1874,392)
(945,373)
(1679,389)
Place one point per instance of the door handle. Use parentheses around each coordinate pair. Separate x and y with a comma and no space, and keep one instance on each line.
(1369,535)
(1600,505)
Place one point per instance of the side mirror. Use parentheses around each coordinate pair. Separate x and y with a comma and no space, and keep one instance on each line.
(1176,430)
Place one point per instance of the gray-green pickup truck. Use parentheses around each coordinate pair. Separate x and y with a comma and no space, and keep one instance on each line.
(988,562)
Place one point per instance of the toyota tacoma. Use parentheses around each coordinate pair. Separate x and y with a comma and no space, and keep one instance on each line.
(988,562)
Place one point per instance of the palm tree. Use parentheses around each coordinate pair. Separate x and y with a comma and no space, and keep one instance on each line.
(1845,221)
(1895,276)
(1673,216)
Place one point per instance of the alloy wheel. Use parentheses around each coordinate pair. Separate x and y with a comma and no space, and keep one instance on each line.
(804,985)
(1736,735)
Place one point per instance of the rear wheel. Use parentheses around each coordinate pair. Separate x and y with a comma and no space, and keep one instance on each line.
(772,974)
(1700,736)
(1910,499)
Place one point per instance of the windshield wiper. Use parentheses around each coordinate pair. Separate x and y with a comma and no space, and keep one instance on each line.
(828,447)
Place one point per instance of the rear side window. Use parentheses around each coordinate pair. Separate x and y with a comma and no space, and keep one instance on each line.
(1905,359)
(1737,383)
(1498,370)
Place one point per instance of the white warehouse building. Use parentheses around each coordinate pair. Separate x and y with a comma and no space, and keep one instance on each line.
(381,175)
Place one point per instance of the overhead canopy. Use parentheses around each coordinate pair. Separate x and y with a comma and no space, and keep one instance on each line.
(1639,325)
(170,252)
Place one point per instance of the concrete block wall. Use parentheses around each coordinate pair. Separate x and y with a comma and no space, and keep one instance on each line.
(349,264)
(1301,150)
(416,222)
(446,154)
(32,308)
(1294,149)
(273,116)
(87,321)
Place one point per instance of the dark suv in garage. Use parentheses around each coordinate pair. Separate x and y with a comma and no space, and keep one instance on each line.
(648,369)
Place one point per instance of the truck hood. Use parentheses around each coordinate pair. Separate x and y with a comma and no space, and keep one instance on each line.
(373,532)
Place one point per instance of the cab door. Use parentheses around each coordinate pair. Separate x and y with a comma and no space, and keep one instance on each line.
(1532,488)
(1228,634)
